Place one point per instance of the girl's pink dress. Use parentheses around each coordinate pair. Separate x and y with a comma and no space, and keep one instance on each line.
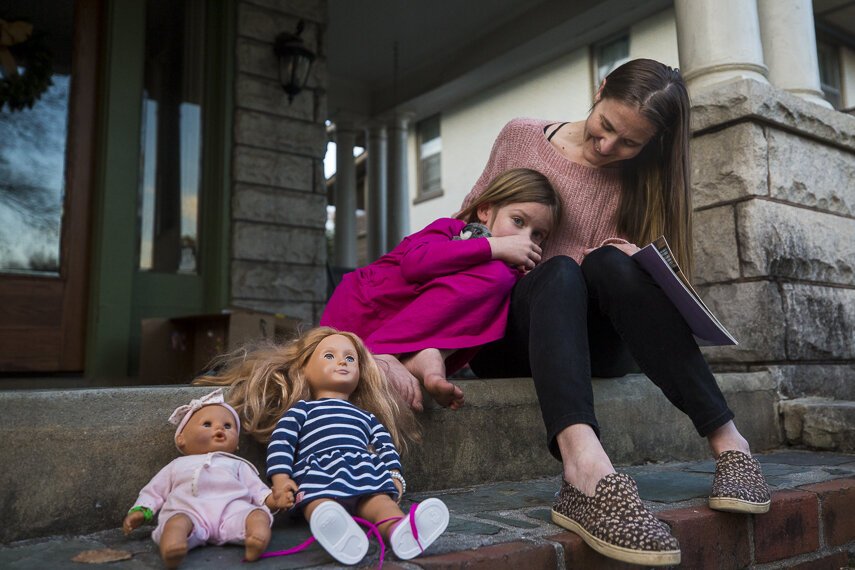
(429,292)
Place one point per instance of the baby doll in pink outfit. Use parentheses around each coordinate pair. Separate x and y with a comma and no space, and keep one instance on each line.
(208,496)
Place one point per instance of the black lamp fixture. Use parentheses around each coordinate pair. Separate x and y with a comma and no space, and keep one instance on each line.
(295,61)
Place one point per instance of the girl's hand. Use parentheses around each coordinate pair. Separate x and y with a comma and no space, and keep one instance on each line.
(517,251)
(132,521)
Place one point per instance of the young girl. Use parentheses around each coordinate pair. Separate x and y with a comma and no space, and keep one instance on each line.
(440,295)
(330,452)
(209,495)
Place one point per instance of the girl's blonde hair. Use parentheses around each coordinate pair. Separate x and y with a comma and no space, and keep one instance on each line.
(514,187)
(267,380)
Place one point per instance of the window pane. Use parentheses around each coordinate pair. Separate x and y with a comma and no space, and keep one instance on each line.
(430,153)
(172,136)
(32,151)
(610,55)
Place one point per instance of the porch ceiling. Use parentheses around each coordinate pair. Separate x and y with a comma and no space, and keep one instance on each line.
(448,50)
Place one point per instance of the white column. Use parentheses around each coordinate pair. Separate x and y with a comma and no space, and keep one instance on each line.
(789,47)
(719,40)
(377,191)
(399,190)
(344,253)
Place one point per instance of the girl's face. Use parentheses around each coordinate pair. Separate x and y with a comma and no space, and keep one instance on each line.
(211,428)
(614,131)
(530,219)
(333,368)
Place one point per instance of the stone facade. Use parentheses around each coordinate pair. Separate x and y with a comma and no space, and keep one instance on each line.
(775,234)
(278,209)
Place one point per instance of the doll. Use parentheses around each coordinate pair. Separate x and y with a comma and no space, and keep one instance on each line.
(324,407)
(209,495)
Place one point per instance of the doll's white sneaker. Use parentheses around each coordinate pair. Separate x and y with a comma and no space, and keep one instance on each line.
(334,528)
(430,520)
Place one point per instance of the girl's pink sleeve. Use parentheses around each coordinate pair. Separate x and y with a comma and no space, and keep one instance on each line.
(432,252)
(155,493)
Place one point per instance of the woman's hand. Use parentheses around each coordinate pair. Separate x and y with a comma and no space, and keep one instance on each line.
(517,251)
(404,383)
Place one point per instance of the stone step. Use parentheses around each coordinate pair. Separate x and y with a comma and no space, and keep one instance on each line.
(506,525)
(820,423)
(73,460)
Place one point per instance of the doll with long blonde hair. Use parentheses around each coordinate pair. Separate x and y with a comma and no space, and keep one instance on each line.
(333,428)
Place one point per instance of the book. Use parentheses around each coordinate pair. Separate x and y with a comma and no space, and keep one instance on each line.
(658,260)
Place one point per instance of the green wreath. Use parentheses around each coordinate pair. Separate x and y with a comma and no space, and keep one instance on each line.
(20,91)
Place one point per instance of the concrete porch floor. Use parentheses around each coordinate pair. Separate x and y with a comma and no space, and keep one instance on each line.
(506,525)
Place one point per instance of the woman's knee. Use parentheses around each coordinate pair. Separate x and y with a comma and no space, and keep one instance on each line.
(609,266)
(560,272)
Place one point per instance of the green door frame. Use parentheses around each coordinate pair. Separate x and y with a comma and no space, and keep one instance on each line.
(120,294)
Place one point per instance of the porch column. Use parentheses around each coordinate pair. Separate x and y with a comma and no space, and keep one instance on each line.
(789,47)
(344,254)
(377,190)
(399,191)
(719,40)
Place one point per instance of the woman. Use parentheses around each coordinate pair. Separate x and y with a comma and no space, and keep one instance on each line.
(589,309)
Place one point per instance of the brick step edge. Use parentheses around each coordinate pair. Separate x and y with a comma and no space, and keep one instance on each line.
(811,527)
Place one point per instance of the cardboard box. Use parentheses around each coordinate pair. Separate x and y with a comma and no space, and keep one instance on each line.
(176,350)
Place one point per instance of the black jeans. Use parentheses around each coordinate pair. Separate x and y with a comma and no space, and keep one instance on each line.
(567,323)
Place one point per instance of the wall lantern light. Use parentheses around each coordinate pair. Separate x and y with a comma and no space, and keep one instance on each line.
(295,61)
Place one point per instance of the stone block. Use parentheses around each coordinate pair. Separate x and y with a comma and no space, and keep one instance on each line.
(820,322)
(835,561)
(709,539)
(507,556)
(303,311)
(269,168)
(753,312)
(264,25)
(749,100)
(716,251)
(729,164)
(267,242)
(261,204)
(820,423)
(278,282)
(837,499)
(807,172)
(835,381)
(780,240)
(577,554)
(790,528)
(267,95)
(315,10)
(280,134)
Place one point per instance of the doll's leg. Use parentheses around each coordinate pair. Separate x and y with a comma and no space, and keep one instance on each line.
(428,366)
(380,507)
(430,519)
(173,541)
(335,530)
(257,534)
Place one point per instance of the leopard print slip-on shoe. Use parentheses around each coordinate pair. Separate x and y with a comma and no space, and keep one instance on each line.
(615,523)
(739,485)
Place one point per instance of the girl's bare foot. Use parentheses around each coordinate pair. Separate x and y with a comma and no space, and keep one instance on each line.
(428,366)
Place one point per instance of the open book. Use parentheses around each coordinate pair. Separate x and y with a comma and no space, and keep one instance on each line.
(658,260)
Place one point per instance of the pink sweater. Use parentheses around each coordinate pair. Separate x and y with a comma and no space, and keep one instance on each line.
(589,196)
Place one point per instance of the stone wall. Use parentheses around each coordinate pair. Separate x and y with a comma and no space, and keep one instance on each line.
(278,195)
(774,182)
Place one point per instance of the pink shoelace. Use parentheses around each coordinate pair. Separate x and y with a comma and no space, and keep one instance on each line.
(372,530)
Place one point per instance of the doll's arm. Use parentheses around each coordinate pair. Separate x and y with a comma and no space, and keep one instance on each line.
(150,500)
(283,493)
(433,253)
(384,446)
(280,457)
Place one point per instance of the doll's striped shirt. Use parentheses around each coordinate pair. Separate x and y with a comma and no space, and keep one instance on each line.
(324,446)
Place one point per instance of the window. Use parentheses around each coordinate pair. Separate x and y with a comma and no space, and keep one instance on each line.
(608,56)
(430,153)
(829,72)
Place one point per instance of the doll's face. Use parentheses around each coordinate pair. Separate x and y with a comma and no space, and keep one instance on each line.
(333,368)
(211,428)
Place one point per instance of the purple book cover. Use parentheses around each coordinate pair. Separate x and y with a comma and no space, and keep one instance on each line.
(707,329)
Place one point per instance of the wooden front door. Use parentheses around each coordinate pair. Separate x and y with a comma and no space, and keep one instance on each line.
(46,176)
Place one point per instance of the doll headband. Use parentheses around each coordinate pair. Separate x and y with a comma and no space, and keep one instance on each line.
(182,414)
